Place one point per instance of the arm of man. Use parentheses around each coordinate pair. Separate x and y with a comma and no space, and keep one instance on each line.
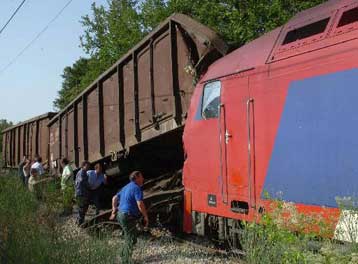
(66,174)
(138,194)
(45,165)
(27,165)
(85,179)
(143,210)
(114,207)
(89,178)
(41,169)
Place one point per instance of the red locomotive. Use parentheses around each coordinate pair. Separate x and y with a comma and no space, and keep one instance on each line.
(278,115)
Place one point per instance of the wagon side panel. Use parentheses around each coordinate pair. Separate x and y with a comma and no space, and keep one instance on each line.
(111,122)
(93,126)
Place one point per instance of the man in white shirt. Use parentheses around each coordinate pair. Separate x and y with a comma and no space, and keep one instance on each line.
(67,187)
(38,165)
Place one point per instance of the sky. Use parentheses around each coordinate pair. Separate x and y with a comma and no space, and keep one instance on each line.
(29,86)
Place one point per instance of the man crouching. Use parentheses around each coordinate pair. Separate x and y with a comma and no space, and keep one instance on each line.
(129,204)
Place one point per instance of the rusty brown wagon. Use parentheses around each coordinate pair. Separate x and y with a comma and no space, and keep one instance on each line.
(143,97)
(28,138)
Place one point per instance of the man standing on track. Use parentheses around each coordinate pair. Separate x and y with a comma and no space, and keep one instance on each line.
(67,185)
(82,192)
(129,204)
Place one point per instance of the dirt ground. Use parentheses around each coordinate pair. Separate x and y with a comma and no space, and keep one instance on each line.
(160,247)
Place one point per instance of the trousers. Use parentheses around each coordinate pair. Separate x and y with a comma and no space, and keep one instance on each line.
(83,203)
(129,227)
(67,194)
(95,198)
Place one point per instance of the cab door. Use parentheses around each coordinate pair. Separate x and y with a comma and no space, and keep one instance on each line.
(237,146)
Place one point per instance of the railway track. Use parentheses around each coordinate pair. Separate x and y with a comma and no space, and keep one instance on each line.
(100,223)
(163,197)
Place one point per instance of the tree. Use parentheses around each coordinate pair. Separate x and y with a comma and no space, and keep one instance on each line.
(73,82)
(238,22)
(110,32)
(3,125)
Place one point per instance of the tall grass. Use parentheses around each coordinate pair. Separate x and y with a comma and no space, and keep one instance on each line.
(29,233)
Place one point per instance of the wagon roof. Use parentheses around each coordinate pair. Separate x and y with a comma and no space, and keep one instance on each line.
(40,117)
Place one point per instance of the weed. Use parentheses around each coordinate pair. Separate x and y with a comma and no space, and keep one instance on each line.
(30,233)
(283,235)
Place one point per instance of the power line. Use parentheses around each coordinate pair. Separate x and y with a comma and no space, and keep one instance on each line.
(35,38)
(12,16)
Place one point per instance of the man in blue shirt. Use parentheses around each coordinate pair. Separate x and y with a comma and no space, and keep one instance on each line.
(96,180)
(82,192)
(129,204)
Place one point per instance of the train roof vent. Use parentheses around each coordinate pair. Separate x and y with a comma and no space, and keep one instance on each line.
(346,26)
(348,17)
(306,31)
(328,24)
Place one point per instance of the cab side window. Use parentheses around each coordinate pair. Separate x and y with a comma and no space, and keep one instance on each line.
(211,100)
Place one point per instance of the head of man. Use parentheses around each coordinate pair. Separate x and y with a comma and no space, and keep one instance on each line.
(98,168)
(34,172)
(38,159)
(137,177)
(64,162)
(85,165)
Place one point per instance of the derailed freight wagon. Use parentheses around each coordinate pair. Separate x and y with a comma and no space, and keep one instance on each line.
(142,98)
(28,138)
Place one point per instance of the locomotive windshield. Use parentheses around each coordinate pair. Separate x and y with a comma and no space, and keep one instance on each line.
(211,100)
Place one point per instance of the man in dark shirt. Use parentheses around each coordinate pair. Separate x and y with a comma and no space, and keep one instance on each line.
(82,192)
(129,204)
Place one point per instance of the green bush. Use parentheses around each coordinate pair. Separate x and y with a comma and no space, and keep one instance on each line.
(285,236)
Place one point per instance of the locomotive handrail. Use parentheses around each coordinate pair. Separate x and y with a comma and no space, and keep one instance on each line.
(220,152)
(248,116)
(222,106)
